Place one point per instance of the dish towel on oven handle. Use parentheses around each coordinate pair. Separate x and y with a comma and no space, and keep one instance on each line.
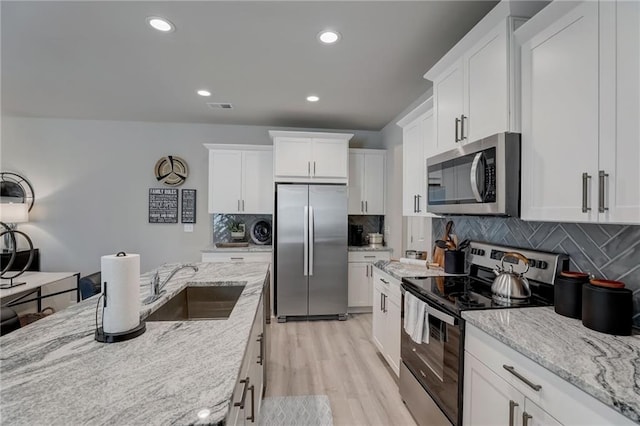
(416,318)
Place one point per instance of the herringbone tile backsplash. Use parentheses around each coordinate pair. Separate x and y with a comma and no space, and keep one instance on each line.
(606,251)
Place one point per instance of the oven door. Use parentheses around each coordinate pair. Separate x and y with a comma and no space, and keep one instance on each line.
(437,365)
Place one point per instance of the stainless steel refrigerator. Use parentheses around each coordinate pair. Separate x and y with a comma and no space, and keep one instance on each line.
(311,251)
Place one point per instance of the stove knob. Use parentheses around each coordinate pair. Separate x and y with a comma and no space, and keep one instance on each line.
(481,252)
(533,263)
(542,264)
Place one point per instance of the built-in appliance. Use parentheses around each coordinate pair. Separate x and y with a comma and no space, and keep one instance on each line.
(356,235)
(431,371)
(311,251)
(478,178)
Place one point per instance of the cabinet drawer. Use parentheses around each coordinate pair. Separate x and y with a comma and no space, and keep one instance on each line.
(368,256)
(387,284)
(237,257)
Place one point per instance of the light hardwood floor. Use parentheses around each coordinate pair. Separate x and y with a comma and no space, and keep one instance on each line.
(337,359)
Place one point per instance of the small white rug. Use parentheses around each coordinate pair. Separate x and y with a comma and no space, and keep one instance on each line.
(308,410)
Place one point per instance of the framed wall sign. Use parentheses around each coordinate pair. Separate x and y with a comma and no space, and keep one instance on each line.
(163,205)
(188,206)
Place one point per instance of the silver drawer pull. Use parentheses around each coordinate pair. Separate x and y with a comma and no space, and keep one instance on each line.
(513,371)
(237,258)
(384,281)
(369,257)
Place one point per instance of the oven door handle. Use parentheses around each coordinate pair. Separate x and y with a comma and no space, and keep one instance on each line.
(441,315)
(477,185)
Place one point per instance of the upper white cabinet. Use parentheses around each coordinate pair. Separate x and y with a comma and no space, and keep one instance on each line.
(475,91)
(580,113)
(418,143)
(240,179)
(366,181)
(310,156)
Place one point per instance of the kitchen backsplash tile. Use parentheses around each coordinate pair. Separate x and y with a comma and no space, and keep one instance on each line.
(607,251)
(222,223)
(370,223)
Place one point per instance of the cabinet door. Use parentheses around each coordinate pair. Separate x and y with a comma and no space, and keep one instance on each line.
(257,182)
(225,181)
(356,183)
(378,327)
(374,183)
(330,158)
(360,291)
(419,234)
(533,415)
(486,87)
(392,334)
(487,398)
(449,106)
(427,132)
(411,165)
(292,157)
(620,129)
(560,119)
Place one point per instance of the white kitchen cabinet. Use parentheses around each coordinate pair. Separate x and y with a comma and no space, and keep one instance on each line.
(475,85)
(240,180)
(366,181)
(580,109)
(386,317)
(417,145)
(360,279)
(418,235)
(310,156)
(499,381)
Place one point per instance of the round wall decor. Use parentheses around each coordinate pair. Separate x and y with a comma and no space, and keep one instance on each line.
(171,170)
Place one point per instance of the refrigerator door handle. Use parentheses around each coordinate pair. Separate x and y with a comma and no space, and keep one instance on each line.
(311,241)
(305,267)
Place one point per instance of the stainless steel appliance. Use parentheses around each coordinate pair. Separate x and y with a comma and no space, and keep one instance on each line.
(479,178)
(311,251)
(356,235)
(431,373)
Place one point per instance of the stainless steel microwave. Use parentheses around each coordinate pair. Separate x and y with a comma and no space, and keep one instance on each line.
(478,178)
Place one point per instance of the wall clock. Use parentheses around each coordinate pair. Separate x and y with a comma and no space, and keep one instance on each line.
(171,170)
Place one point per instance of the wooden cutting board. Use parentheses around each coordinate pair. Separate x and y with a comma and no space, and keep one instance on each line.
(438,253)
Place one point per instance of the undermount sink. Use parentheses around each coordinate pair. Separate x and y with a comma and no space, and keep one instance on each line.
(199,303)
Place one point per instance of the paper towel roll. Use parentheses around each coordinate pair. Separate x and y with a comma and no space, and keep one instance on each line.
(121,276)
(413,261)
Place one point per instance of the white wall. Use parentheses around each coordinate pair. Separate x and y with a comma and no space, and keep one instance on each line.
(395,224)
(91,180)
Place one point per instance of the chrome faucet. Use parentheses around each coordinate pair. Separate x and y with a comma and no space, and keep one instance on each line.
(157,286)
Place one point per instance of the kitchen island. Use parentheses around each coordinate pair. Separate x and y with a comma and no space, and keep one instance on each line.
(54,372)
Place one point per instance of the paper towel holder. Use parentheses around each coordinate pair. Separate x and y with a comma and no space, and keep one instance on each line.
(100,334)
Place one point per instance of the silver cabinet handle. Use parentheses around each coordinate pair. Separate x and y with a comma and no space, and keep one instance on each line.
(242,205)
(311,240)
(585,189)
(512,406)
(381,308)
(526,381)
(418,204)
(260,339)
(457,122)
(384,303)
(236,258)
(362,206)
(414,204)
(384,281)
(462,136)
(601,189)
(367,273)
(252,417)
(244,394)
(477,166)
(308,168)
(369,257)
(525,418)
(314,168)
(366,206)
(305,243)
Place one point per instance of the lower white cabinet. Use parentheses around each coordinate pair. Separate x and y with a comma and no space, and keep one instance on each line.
(386,317)
(503,387)
(246,400)
(360,282)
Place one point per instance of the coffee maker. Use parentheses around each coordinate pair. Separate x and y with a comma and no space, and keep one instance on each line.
(356,235)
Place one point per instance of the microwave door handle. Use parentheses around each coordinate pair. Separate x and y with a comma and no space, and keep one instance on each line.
(478,192)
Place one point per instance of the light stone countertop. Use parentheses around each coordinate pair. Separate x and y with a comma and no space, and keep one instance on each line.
(400,270)
(367,248)
(54,372)
(604,366)
(250,248)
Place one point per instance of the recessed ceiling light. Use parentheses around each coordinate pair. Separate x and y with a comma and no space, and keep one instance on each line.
(160,24)
(329,37)
(313,98)
(204,92)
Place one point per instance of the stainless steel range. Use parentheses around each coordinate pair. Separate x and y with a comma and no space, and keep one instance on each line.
(431,371)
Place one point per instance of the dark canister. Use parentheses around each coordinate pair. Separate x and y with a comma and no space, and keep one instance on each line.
(607,307)
(454,262)
(567,298)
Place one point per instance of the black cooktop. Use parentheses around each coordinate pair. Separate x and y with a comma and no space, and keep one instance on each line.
(462,293)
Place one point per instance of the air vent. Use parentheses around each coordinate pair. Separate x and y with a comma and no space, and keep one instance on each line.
(219,105)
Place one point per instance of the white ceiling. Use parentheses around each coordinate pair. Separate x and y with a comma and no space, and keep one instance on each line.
(99,60)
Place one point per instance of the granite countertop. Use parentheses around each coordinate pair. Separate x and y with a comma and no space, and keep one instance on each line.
(367,248)
(602,365)
(250,248)
(400,270)
(54,372)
